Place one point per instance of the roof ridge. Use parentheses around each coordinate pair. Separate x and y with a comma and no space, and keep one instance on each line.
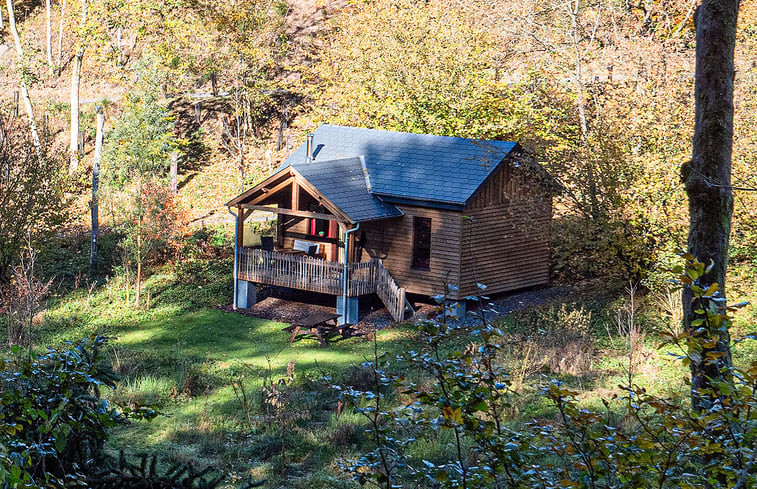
(337,126)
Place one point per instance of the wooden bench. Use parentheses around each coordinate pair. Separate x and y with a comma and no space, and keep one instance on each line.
(319,325)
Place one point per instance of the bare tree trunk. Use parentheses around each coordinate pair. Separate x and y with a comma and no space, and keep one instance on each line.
(119,44)
(139,265)
(174,171)
(708,179)
(49,35)
(139,280)
(75,81)
(60,31)
(574,13)
(95,188)
(24,89)
(138,251)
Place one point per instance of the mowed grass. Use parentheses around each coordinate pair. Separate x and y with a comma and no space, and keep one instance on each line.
(209,372)
(187,362)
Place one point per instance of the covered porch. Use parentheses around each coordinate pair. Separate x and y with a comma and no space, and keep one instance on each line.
(311,244)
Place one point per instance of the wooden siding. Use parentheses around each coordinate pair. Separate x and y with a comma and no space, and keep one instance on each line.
(505,243)
(391,240)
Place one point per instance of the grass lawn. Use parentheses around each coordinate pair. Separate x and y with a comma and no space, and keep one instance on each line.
(235,395)
(198,364)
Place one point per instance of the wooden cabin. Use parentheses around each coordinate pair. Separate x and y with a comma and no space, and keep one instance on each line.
(362,211)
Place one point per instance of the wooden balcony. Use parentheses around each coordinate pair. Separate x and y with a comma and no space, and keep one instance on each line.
(318,275)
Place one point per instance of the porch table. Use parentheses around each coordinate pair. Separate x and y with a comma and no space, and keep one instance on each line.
(319,325)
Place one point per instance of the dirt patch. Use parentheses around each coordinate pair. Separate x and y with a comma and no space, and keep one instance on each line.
(282,310)
(288,306)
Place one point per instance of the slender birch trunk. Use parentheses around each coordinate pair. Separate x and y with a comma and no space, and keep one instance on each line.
(174,171)
(49,35)
(24,89)
(60,31)
(75,82)
(594,208)
(95,189)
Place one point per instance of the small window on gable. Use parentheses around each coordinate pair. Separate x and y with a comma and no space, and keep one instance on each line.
(421,243)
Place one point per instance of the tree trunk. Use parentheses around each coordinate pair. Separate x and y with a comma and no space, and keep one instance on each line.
(49,35)
(95,185)
(24,89)
(174,171)
(594,210)
(708,177)
(138,250)
(75,81)
(139,280)
(60,31)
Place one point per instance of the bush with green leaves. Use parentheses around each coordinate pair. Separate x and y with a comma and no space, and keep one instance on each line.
(54,425)
(53,421)
(637,440)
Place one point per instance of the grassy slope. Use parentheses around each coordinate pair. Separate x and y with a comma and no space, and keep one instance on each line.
(184,360)
(185,356)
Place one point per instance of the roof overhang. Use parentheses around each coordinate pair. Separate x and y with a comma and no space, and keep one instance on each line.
(253,198)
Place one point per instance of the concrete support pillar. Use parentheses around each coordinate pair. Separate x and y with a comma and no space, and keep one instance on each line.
(349,314)
(247,294)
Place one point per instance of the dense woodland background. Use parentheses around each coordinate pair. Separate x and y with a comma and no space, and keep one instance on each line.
(201,99)
(601,91)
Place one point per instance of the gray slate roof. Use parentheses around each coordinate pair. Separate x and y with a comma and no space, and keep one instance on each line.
(344,183)
(404,166)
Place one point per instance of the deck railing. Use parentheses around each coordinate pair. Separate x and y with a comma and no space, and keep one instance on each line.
(294,271)
(317,275)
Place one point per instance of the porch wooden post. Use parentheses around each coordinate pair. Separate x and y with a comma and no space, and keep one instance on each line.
(243,215)
(240,228)
(295,195)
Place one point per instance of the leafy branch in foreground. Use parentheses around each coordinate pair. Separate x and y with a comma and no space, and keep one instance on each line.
(637,440)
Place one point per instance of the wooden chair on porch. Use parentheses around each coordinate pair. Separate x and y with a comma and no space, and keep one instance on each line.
(266,243)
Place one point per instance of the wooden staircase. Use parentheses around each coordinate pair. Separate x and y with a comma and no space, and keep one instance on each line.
(391,294)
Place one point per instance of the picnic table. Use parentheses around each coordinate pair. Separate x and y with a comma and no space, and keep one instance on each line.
(320,325)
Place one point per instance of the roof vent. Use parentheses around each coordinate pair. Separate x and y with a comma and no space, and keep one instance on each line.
(309,148)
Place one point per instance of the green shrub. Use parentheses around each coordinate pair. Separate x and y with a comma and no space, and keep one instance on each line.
(582,248)
(632,440)
(53,420)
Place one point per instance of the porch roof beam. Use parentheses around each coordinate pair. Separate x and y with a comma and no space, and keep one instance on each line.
(290,212)
(267,192)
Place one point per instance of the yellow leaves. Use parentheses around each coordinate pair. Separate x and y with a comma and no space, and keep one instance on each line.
(454,415)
